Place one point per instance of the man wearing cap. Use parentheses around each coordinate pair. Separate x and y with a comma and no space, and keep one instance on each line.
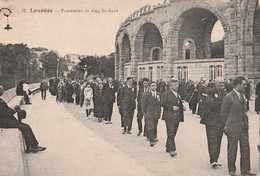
(7,120)
(127,104)
(172,114)
(212,120)
(140,115)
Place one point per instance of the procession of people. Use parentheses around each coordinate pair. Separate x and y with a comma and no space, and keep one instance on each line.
(221,104)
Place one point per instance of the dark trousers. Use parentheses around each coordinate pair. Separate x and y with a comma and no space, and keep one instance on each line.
(88,112)
(152,129)
(214,136)
(26,97)
(193,106)
(77,98)
(171,127)
(257,103)
(43,93)
(108,110)
(233,138)
(128,115)
(140,117)
(25,129)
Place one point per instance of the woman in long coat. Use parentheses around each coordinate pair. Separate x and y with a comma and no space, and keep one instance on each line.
(88,102)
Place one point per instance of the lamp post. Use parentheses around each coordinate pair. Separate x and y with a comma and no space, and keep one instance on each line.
(6,12)
(58,65)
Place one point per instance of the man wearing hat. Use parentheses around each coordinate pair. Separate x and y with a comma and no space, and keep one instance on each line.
(142,89)
(7,120)
(127,104)
(212,120)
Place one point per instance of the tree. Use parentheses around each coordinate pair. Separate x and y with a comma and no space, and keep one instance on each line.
(49,62)
(217,49)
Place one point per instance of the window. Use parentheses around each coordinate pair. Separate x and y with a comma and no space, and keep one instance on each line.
(140,73)
(179,70)
(187,53)
(185,73)
(143,72)
(158,72)
(189,49)
(212,75)
(161,76)
(126,73)
(218,71)
(150,73)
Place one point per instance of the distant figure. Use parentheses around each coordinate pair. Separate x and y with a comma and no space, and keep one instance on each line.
(257,100)
(109,91)
(44,87)
(7,120)
(233,112)
(27,92)
(88,103)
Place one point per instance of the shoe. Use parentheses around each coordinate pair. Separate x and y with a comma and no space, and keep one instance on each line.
(31,150)
(107,123)
(247,174)
(173,153)
(41,148)
(99,119)
(129,132)
(139,133)
(167,151)
(144,135)
(156,140)
(152,144)
(214,165)
(231,173)
(28,103)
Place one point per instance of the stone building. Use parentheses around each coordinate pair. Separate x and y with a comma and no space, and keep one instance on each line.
(174,39)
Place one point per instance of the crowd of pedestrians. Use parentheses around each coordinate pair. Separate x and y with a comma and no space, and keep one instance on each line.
(221,104)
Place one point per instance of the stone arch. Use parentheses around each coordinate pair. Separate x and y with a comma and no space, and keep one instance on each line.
(179,19)
(147,37)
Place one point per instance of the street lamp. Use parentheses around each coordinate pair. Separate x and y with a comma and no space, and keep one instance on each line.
(7,12)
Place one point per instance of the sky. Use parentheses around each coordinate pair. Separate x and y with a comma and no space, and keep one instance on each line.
(88,33)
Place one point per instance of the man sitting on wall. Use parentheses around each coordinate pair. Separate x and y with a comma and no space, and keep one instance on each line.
(7,120)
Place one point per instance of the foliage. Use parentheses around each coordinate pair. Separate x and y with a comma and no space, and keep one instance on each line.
(102,66)
(49,62)
(217,49)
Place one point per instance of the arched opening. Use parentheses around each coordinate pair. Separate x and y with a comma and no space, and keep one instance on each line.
(194,29)
(117,58)
(148,44)
(126,49)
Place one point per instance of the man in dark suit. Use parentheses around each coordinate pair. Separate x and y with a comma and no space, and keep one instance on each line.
(95,89)
(172,114)
(127,104)
(233,112)
(7,120)
(212,120)
(142,89)
(109,91)
(151,105)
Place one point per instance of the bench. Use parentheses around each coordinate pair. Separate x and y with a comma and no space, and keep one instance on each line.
(12,146)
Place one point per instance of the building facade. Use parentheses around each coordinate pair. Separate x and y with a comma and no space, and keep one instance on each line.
(174,39)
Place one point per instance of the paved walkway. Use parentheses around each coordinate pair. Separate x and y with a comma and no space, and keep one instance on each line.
(72,149)
(77,146)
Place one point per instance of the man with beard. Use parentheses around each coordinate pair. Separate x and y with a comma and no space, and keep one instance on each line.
(214,123)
